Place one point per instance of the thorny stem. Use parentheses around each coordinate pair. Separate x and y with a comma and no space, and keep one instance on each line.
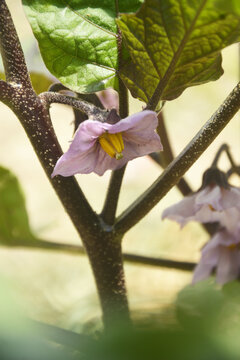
(103,250)
(177,168)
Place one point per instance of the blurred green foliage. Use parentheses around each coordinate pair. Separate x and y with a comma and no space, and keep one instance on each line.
(40,82)
(207,326)
(14,222)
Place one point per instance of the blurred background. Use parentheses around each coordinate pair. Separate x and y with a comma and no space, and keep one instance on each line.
(58,288)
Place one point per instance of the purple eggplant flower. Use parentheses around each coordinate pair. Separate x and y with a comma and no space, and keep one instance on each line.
(222,254)
(99,146)
(212,204)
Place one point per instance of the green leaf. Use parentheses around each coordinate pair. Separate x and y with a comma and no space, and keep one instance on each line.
(78,40)
(200,303)
(14,223)
(230,5)
(175,44)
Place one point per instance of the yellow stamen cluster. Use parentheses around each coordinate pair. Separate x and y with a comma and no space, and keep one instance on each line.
(233,246)
(112,144)
(211,207)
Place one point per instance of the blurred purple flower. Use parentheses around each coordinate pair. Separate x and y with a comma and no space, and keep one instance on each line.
(99,146)
(221,253)
(212,204)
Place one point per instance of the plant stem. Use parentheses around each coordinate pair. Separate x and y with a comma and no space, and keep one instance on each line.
(72,249)
(166,156)
(61,336)
(84,106)
(108,213)
(79,115)
(224,147)
(177,168)
(14,62)
(105,255)
(167,153)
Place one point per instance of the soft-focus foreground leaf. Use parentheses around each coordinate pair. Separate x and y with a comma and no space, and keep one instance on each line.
(14,224)
(175,44)
(214,311)
(78,40)
(18,338)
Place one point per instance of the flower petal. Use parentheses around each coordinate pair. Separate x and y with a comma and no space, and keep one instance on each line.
(183,211)
(201,272)
(86,135)
(73,162)
(136,147)
(210,195)
(206,214)
(228,265)
(106,162)
(230,219)
(220,253)
(230,198)
(208,261)
(85,144)
(142,122)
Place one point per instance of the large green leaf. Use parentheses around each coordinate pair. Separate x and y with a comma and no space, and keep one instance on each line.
(14,223)
(175,44)
(78,40)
